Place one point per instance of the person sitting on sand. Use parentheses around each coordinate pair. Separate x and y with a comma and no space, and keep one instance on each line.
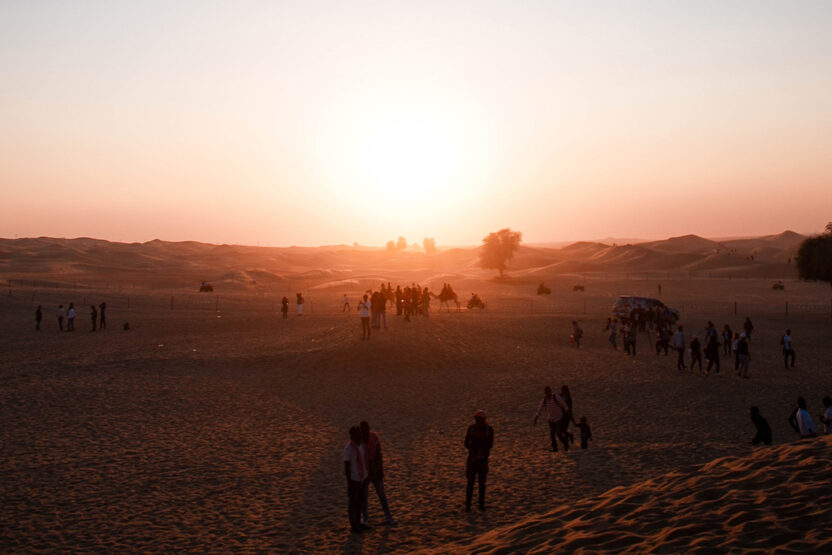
(364,310)
(556,410)
(355,468)
(763,434)
(800,420)
(586,433)
(479,439)
(375,468)
(826,415)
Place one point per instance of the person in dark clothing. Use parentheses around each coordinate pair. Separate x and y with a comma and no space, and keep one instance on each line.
(712,353)
(478,440)
(727,340)
(355,469)
(93,317)
(375,473)
(695,353)
(102,316)
(284,308)
(586,433)
(748,327)
(61,313)
(662,340)
(38,317)
(763,434)
(569,417)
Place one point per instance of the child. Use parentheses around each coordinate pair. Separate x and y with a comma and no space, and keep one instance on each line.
(586,433)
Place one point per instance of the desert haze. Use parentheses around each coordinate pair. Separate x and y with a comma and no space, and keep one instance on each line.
(214,423)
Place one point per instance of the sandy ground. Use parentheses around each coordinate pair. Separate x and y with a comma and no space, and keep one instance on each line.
(195,432)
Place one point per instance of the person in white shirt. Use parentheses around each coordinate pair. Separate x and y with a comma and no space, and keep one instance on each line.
(355,469)
(70,318)
(679,345)
(299,303)
(364,313)
(346,307)
(556,410)
(800,420)
(788,349)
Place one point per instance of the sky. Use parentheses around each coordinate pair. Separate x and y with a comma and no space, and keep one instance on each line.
(311,123)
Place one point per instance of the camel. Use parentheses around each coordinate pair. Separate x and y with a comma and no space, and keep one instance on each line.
(446,296)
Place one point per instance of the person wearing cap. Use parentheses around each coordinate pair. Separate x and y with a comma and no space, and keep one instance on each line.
(355,468)
(679,345)
(556,411)
(478,440)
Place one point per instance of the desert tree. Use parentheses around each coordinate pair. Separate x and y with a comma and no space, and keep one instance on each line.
(429,244)
(391,245)
(401,243)
(498,249)
(814,258)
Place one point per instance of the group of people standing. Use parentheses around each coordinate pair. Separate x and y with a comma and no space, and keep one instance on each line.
(98,317)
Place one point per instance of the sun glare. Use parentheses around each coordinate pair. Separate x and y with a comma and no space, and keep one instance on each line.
(426,151)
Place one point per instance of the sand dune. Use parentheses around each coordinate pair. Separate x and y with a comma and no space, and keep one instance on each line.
(775,497)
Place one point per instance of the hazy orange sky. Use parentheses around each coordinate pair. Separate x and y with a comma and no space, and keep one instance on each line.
(336,122)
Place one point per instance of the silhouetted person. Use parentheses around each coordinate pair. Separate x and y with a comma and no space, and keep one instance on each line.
(284,307)
(569,417)
(364,310)
(826,415)
(748,327)
(577,333)
(743,355)
(70,318)
(788,348)
(61,313)
(102,316)
(346,307)
(479,439)
(93,317)
(556,409)
(355,469)
(800,421)
(38,317)
(299,303)
(763,434)
(727,340)
(712,353)
(679,345)
(695,353)
(586,433)
(375,468)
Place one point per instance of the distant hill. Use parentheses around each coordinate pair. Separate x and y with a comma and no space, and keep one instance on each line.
(238,266)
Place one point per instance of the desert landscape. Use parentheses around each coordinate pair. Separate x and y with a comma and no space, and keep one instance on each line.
(213,423)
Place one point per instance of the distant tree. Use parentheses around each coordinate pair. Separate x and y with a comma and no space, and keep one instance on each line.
(498,249)
(401,243)
(814,258)
(429,244)
(391,245)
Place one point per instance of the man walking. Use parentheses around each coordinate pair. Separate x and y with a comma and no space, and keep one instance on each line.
(375,467)
(788,349)
(355,469)
(479,439)
(61,317)
(679,345)
(102,316)
(556,410)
